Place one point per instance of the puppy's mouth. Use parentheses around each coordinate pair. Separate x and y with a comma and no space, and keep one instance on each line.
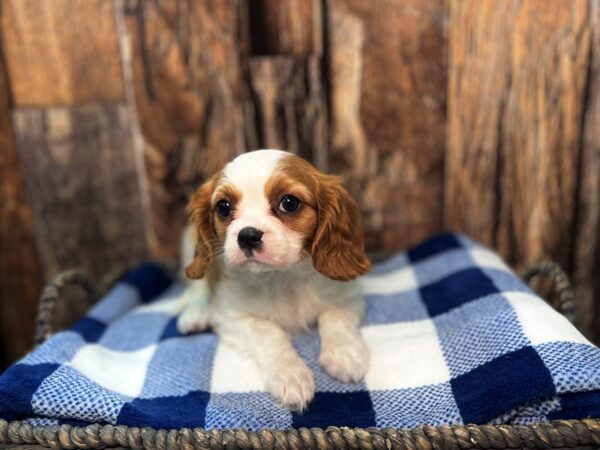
(252,264)
(254,261)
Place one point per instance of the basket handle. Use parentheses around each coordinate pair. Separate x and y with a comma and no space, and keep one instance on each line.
(562,286)
(51,293)
(73,278)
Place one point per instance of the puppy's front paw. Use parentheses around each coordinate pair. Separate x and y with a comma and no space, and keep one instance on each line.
(292,385)
(193,320)
(347,361)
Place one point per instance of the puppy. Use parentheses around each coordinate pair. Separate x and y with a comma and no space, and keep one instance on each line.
(276,245)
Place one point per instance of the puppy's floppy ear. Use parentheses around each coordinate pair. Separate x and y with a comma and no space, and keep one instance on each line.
(338,248)
(199,209)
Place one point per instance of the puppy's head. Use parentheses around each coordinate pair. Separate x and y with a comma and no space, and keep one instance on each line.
(270,210)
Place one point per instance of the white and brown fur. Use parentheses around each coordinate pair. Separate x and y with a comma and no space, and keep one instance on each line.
(302,275)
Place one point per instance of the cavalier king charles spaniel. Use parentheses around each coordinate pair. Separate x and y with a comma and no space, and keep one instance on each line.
(274,247)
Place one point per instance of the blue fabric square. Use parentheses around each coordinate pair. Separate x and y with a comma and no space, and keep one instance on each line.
(439,266)
(407,408)
(90,329)
(135,331)
(455,290)
(18,385)
(118,301)
(72,422)
(149,279)
(506,282)
(348,409)
(433,246)
(251,411)
(170,331)
(579,404)
(58,350)
(398,307)
(501,385)
(572,365)
(478,332)
(67,394)
(529,413)
(42,422)
(186,411)
(180,366)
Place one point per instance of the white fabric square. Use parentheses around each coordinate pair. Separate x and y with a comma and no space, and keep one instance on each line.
(487,259)
(400,280)
(540,323)
(234,371)
(121,372)
(404,355)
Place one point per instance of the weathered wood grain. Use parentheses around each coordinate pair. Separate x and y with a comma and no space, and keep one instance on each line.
(478,82)
(387,65)
(190,99)
(541,137)
(286,27)
(520,175)
(83,184)
(291,105)
(346,38)
(586,253)
(516,90)
(287,81)
(61,52)
(20,271)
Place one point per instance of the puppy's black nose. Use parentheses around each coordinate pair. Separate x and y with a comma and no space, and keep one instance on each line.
(249,238)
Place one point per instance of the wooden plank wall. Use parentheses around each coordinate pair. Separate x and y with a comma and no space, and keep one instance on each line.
(523,126)
(20,270)
(388,141)
(73,130)
(475,115)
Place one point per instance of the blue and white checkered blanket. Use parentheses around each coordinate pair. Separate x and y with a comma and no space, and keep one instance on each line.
(454,337)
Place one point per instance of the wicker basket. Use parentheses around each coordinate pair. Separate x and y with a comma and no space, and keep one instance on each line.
(558,434)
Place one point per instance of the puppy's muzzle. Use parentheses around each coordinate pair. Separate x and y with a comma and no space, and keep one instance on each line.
(249,239)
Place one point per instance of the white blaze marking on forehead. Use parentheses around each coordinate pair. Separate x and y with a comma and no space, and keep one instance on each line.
(249,173)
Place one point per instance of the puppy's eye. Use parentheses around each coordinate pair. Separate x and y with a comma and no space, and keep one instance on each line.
(289,204)
(224,208)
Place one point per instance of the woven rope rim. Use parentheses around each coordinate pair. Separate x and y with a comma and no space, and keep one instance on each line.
(557,434)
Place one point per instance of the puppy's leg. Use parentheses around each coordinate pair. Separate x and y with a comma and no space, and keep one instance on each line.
(344,354)
(194,308)
(286,375)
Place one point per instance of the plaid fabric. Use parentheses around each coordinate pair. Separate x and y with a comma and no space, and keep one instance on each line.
(454,337)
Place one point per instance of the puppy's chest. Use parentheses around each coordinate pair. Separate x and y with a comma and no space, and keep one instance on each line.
(293,305)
